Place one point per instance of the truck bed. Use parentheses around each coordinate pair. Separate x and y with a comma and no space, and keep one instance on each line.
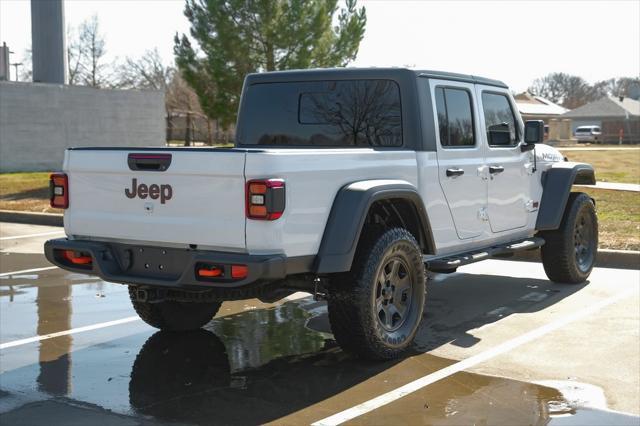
(207,204)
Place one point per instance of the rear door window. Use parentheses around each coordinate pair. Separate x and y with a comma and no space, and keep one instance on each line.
(345,113)
(455,118)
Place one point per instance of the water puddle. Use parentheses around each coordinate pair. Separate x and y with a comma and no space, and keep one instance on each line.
(276,364)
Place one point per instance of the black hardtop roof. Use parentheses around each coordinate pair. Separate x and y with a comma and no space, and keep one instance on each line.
(355,73)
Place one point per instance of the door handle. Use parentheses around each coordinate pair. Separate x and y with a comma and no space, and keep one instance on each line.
(149,162)
(496,169)
(454,172)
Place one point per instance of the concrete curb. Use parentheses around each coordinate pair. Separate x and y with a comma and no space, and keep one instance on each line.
(607,258)
(48,219)
(625,259)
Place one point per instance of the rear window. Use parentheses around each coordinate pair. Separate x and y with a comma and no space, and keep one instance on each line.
(351,113)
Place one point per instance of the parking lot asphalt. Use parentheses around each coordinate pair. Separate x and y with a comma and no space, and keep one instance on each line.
(500,344)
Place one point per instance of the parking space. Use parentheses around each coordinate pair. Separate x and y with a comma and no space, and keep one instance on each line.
(500,344)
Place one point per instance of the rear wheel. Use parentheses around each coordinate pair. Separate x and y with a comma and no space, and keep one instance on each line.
(569,252)
(172,315)
(375,309)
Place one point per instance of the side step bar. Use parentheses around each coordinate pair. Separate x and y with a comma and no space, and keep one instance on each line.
(450,263)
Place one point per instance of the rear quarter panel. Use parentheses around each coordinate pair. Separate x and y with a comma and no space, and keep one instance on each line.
(313,178)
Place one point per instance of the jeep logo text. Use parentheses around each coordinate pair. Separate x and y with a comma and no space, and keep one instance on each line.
(164,192)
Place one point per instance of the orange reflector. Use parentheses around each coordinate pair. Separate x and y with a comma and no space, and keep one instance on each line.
(239,271)
(76,258)
(257,211)
(210,273)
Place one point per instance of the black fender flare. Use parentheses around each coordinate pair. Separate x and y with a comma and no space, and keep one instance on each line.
(347,217)
(556,187)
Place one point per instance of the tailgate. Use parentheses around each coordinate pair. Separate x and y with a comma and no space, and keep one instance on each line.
(198,199)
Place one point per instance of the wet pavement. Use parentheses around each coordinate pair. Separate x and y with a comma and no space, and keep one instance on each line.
(277,363)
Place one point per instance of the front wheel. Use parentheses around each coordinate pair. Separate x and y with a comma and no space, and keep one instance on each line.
(569,252)
(376,308)
(172,315)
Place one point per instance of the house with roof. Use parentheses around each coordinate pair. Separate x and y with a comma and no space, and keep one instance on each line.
(618,118)
(533,107)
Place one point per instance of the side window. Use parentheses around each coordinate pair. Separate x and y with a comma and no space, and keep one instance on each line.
(455,119)
(499,120)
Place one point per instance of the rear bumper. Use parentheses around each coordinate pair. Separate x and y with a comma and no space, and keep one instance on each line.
(169,267)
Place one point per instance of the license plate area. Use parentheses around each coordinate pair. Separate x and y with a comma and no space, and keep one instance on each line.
(155,262)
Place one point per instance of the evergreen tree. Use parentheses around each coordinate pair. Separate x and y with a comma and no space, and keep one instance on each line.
(237,37)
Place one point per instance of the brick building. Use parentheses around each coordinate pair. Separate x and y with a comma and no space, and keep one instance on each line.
(618,117)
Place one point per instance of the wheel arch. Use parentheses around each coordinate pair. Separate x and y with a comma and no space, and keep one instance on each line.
(349,213)
(556,187)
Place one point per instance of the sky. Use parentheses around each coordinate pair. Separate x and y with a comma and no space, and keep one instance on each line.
(513,41)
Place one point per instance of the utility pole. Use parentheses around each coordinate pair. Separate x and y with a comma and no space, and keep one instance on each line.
(16,65)
(5,66)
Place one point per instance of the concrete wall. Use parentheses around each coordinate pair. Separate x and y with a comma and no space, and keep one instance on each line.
(38,121)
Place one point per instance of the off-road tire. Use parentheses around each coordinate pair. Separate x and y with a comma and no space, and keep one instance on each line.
(565,246)
(174,316)
(352,297)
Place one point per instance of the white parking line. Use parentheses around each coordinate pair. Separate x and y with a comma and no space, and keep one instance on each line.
(27,271)
(41,234)
(66,332)
(507,346)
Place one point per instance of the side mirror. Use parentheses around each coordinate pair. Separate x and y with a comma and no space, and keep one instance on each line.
(533,131)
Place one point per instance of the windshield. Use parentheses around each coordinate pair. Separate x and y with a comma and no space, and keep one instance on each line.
(351,113)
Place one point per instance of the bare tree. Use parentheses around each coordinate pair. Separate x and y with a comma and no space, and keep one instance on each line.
(92,43)
(149,72)
(76,55)
(181,100)
(568,90)
(26,73)
(628,87)
(145,72)
(572,91)
(179,96)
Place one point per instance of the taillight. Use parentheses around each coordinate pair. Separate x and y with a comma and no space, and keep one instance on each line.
(265,199)
(59,190)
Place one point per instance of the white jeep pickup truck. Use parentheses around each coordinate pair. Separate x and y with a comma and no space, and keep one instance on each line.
(347,183)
